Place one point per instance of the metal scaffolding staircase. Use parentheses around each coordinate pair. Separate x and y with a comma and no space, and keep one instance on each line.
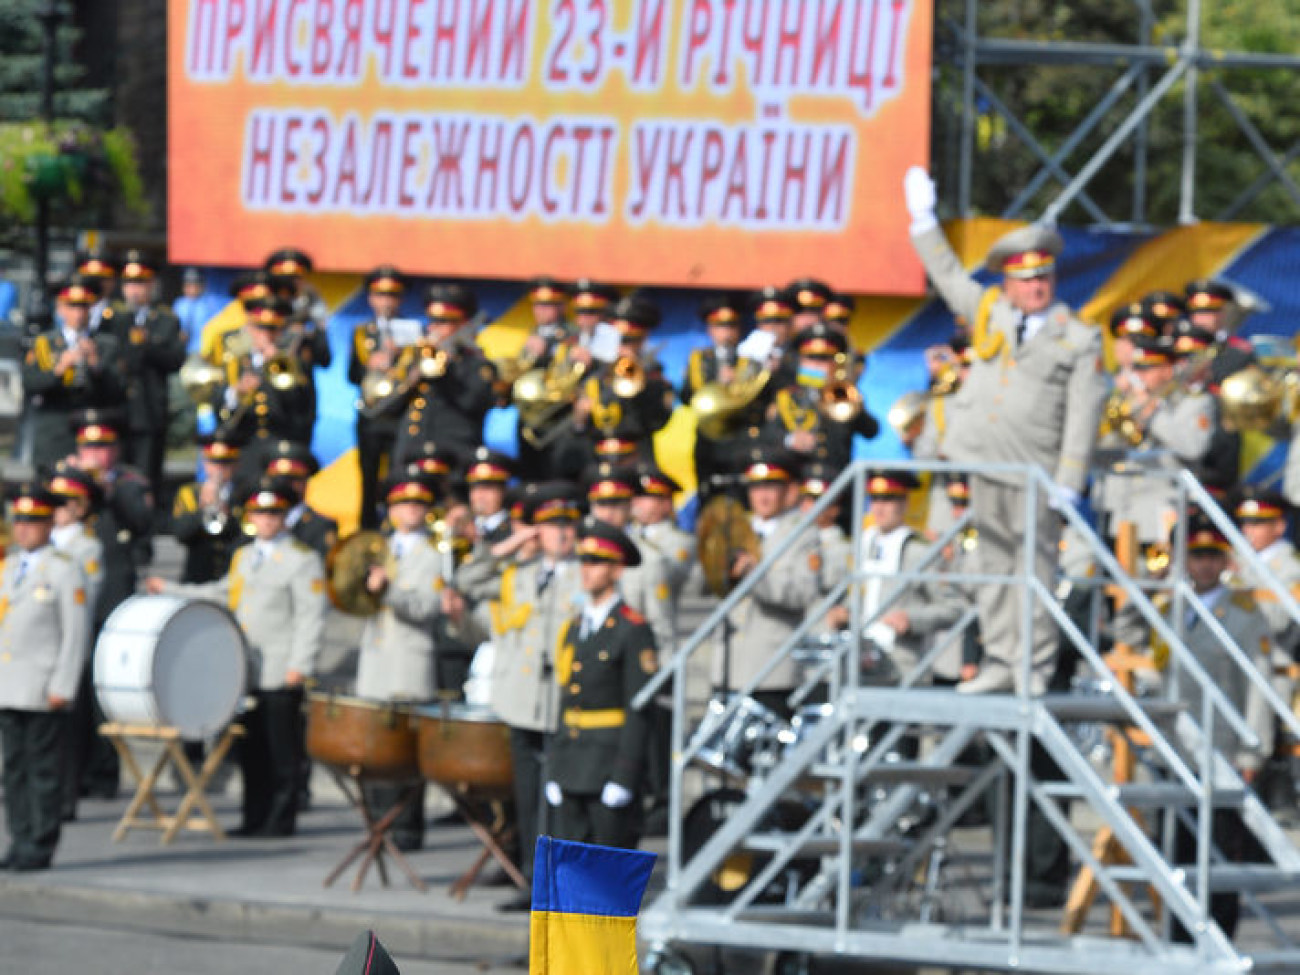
(871,867)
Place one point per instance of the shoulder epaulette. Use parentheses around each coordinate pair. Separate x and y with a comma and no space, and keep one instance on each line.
(1244,599)
(61,555)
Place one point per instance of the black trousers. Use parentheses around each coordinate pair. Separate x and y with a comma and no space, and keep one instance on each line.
(271,754)
(1229,834)
(585,819)
(408,828)
(90,763)
(374,446)
(33,751)
(528,751)
(144,451)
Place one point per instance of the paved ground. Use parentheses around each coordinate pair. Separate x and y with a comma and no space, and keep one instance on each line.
(61,949)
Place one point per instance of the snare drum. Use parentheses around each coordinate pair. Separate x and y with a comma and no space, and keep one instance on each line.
(743,744)
(370,739)
(466,750)
(166,661)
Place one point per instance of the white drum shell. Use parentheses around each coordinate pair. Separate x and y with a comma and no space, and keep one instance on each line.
(165,661)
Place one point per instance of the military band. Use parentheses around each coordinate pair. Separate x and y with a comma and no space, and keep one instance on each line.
(563,567)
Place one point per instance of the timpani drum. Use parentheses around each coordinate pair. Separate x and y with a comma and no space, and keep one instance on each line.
(166,661)
(466,750)
(368,739)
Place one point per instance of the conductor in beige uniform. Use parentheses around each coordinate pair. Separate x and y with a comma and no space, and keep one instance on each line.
(1033,395)
(43,625)
(276,589)
(397,646)
(763,621)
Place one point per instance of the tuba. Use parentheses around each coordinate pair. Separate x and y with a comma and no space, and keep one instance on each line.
(1258,399)
(544,397)
(348,566)
(719,407)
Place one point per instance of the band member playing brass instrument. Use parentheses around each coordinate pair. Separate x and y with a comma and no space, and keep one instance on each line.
(444,386)
(204,517)
(375,348)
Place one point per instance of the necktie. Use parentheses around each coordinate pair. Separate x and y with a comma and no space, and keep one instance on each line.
(1020,329)
(22,569)
(544,580)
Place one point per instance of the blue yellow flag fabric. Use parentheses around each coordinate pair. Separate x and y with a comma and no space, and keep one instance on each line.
(585,903)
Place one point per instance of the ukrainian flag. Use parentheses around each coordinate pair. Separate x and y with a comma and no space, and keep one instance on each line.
(585,903)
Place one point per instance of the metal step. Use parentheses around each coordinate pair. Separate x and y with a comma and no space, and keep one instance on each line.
(1255,877)
(1151,795)
(821,846)
(1065,707)
(914,773)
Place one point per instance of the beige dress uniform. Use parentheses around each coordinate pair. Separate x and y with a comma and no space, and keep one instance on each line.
(283,634)
(1177,435)
(678,550)
(397,646)
(79,543)
(931,605)
(1283,561)
(763,621)
(1037,402)
(1240,616)
(527,621)
(646,589)
(44,629)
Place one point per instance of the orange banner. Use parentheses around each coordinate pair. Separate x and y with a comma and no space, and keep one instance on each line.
(725,143)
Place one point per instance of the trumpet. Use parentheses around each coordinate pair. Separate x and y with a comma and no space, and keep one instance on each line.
(840,400)
(627,378)
(1117,419)
(422,361)
(201,379)
(910,408)
(281,371)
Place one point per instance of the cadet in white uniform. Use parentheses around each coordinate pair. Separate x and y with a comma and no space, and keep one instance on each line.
(43,625)
(276,589)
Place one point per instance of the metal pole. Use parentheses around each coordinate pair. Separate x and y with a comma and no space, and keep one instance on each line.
(967,112)
(1190,50)
(1140,141)
(49,15)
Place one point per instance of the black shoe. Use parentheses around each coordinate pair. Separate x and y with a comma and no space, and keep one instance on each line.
(495,877)
(452,818)
(100,792)
(7,863)
(656,821)
(246,832)
(408,844)
(68,815)
(1045,898)
(522,901)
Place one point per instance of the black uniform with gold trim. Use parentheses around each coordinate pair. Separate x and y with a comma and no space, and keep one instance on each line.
(152,348)
(53,397)
(377,434)
(597,755)
(209,532)
(450,408)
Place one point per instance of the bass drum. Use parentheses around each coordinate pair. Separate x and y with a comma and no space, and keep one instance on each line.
(165,661)
(466,750)
(704,819)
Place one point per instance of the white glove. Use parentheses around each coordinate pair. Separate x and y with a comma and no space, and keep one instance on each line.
(918,191)
(614,796)
(1063,497)
(553,794)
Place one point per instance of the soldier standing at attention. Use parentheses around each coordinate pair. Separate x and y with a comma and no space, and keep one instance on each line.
(1034,395)
(276,589)
(76,496)
(42,645)
(604,657)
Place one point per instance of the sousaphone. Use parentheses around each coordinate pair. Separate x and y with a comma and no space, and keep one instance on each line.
(723,532)
(347,567)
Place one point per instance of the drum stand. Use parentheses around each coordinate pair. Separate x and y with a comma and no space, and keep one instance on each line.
(174,754)
(491,837)
(372,847)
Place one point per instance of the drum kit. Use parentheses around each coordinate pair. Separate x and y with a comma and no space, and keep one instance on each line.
(461,748)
